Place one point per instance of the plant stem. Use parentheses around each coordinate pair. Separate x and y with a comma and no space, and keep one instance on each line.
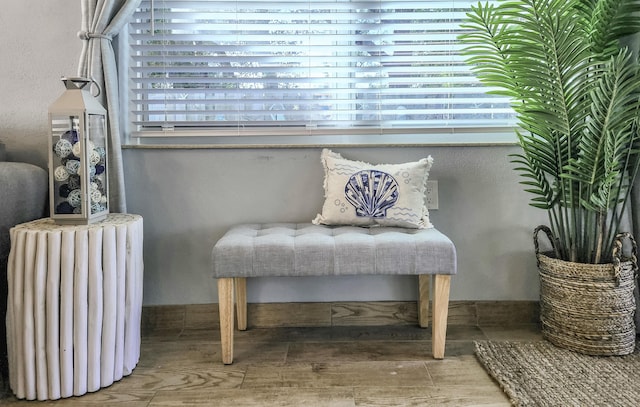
(601,231)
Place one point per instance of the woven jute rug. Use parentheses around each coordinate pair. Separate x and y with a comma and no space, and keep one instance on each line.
(541,374)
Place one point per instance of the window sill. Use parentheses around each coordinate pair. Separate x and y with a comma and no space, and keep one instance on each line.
(479,138)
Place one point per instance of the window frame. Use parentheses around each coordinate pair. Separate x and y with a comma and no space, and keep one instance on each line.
(206,138)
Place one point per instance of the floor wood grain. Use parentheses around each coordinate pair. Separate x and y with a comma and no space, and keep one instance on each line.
(355,366)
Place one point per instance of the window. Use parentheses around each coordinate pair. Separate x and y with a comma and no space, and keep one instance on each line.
(251,67)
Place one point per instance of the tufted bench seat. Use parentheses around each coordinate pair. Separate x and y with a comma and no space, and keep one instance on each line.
(305,249)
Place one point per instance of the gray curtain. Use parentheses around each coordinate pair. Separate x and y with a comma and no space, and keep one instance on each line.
(102,20)
(634,44)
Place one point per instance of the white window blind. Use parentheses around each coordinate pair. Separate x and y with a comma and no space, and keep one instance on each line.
(299,67)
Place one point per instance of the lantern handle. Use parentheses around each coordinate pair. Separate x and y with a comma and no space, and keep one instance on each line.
(97,87)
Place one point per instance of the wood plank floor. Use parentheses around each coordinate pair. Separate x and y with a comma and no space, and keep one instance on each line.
(321,366)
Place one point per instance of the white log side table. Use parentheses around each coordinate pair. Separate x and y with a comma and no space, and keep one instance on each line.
(74,305)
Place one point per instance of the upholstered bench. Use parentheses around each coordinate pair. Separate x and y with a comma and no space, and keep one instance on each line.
(305,249)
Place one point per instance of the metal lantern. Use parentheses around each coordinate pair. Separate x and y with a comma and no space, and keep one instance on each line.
(78,156)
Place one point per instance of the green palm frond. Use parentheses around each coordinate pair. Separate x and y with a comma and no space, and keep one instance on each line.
(607,136)
(608,21)
(576,92)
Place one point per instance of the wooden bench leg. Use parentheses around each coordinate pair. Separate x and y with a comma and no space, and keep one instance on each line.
(424,284)
(241,302)
(225,304)
(440,313)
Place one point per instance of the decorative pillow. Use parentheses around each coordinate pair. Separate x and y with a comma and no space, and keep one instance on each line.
(363,194)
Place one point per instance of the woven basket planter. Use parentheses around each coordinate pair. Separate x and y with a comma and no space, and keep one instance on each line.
(588,308)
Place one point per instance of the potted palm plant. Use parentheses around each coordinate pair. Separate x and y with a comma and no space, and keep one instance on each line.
(575,89)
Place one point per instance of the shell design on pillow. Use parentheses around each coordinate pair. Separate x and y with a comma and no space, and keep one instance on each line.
(372,193)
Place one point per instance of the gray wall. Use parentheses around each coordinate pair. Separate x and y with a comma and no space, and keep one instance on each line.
(189,197)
